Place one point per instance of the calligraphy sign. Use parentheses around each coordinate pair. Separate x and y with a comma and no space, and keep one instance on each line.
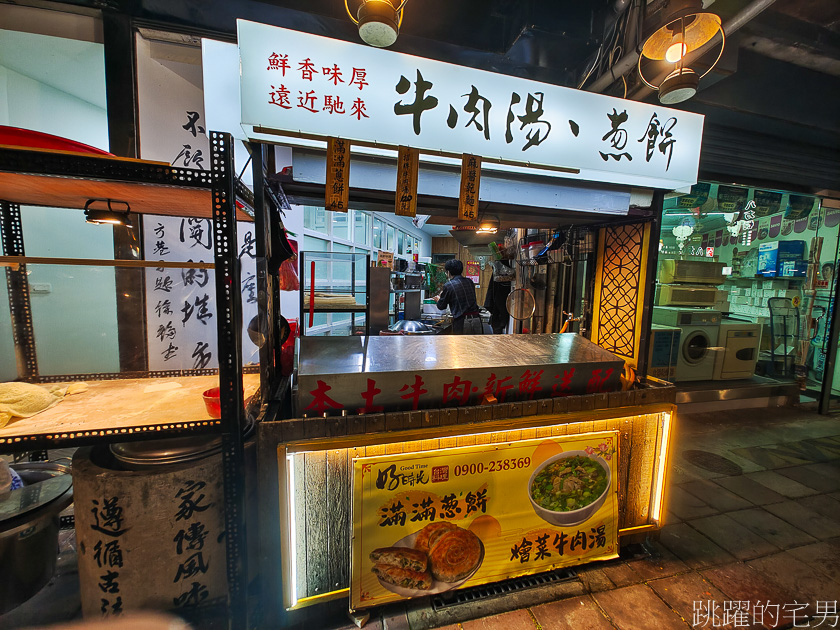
(181,325)
(305,84)
(470,180)
(338,175)
(408,162)
(485,505)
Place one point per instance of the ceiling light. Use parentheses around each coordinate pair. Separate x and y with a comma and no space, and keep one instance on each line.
(687,29)
(378,21)
(675,52)
(108,216)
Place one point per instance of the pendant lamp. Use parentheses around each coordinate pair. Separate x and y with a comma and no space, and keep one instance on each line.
(686,29)
(378,21)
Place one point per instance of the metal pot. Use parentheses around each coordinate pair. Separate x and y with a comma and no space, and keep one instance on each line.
(29,530)
(411,327)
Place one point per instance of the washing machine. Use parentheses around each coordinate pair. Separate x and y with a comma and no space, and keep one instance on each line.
(739,342)
(699,328)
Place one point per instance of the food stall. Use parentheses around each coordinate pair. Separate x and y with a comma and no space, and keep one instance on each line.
(488,426)
(383,446)
(410,466)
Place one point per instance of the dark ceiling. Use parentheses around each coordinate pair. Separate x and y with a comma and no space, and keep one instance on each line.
(772,105)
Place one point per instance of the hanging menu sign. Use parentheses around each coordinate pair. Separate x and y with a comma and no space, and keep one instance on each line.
(310,85)
(408,163)
(338,175)
(470,180)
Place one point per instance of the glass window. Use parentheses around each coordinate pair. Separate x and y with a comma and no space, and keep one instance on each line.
(378,233)
(340,225)
(312,244)
(322,268)
(400,242)
(361,275)
(315,219)
(391,243)
(361,227)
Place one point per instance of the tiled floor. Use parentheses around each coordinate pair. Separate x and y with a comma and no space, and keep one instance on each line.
(759,549)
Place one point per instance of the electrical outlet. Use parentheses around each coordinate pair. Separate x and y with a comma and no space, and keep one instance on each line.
(40,287)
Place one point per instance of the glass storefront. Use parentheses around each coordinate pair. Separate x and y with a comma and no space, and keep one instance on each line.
(745,285)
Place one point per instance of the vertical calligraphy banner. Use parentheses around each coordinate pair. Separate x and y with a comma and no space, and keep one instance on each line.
(470,181)
(181,303)
(338,175)
(408,164)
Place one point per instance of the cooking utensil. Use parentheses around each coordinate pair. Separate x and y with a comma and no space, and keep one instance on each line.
(29,530)
(521,304)
(411,327)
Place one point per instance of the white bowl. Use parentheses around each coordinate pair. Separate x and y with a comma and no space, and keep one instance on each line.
(572,517)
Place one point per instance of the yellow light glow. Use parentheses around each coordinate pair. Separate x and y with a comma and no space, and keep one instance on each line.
(675,52)
(660,472)
(486,230)
(290,474)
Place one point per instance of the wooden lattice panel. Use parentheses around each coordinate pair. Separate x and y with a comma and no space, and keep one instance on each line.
(620,281)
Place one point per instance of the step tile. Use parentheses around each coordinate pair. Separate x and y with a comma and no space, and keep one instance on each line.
(772,528)
(739,582)
(734,537)
(801,582)
(823,504)
(699,602)
(514,620)
(692,547)
(580,613)
(687,506)
(750,490)
(806,519)
(808,476)
(638,608)
(822,557)
(781,484)
(719,498)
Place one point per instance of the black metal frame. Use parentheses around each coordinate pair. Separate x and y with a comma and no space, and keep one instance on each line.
(222,181)
(646,322)
(824,405)
(11,235)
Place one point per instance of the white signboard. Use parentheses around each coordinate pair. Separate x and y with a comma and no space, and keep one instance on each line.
(181,303)
(296,82)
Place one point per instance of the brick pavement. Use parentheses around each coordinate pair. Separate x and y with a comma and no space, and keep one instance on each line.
(760,549)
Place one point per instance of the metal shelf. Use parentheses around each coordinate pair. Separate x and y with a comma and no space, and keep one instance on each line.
(65,180)
(60,179)
(118,410)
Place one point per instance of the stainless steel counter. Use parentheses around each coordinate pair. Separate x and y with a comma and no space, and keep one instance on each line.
(373,374)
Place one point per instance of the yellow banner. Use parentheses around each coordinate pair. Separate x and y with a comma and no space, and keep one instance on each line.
(426,523)
(337,188)
(470,184)
(408,164)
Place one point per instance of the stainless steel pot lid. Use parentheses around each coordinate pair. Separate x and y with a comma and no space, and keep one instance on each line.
(166,452)
(26,500)
(411,327)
